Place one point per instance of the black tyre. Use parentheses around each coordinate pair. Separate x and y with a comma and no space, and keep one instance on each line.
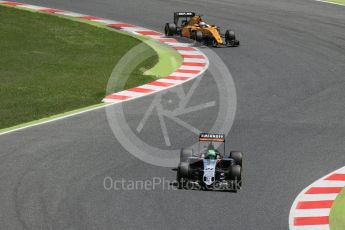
(230,35)
(236,177)
(230,38)
(166,29)
(197,36)
(236,172)
(214,43)
(185,154)
(182,174)
(180,180)
(170,29)
(237,156)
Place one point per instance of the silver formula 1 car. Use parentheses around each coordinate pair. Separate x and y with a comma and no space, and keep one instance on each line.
(210,169)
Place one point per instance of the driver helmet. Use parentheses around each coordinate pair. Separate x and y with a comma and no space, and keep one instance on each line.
(202,24)
(211,154)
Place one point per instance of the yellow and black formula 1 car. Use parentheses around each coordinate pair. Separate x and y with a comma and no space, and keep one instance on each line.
(190,25)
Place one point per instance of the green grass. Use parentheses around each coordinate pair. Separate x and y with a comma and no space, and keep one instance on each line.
(337,216)
(336,1)
(51,65)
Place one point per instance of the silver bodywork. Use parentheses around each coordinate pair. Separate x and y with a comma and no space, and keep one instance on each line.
(209,171)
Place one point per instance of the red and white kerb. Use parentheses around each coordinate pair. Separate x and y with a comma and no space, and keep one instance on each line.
(312,206)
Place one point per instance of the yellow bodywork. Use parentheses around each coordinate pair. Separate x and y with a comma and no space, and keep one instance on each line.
(207,31)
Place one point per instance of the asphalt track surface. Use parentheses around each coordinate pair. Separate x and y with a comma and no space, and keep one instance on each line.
(289,76)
